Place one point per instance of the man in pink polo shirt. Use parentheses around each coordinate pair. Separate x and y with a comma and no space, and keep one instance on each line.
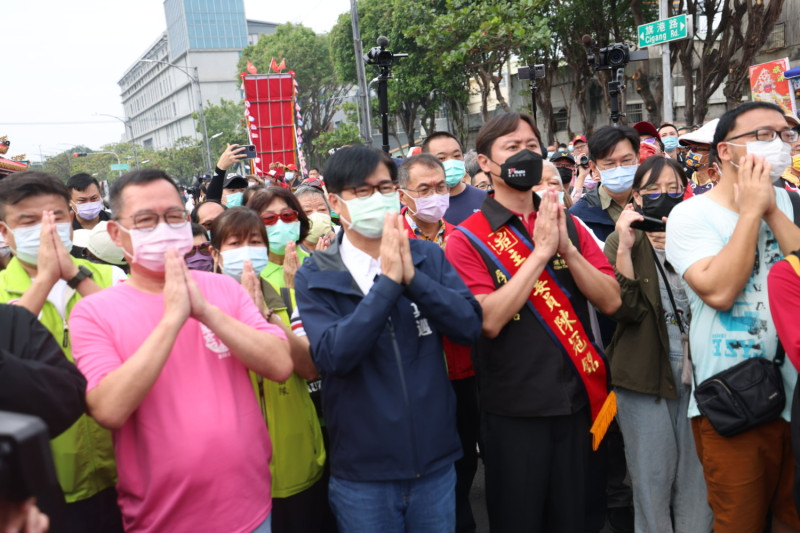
(166,358)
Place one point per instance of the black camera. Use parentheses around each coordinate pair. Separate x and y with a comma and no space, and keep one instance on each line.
(380,56)
(584,161)
(26,461)
(524,73)
(614,56)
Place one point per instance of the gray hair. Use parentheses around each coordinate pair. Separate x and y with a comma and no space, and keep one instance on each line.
(471,163)
(426,160)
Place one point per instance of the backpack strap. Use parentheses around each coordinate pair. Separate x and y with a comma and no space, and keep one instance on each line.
(795,198)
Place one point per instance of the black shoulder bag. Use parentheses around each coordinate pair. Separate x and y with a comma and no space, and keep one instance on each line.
(742,397)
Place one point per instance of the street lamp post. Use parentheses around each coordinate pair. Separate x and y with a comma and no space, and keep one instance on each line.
(129,127)
(196,81)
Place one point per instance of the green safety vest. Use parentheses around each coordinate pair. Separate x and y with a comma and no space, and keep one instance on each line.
(298,450)
(84,453)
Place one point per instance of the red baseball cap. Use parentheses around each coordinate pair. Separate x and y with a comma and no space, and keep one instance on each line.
(646,128)
(292,166)
(579,139)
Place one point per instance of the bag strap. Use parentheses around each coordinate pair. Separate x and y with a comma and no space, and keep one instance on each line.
(669,291)
(795,198)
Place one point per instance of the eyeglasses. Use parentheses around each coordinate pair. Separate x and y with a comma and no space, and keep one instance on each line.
(202,249)
(484,186)
(147,220)
(654,192)
(366,190)
(625,163)
(768,134)
(287,216)
(424,190)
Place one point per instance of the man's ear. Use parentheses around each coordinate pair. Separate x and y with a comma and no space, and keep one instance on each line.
(114,232)
(724,152)
(484,163)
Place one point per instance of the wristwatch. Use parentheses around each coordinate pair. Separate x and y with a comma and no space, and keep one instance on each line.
(82,274)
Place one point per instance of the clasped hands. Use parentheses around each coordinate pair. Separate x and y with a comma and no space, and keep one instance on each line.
(550,232)
(395,251)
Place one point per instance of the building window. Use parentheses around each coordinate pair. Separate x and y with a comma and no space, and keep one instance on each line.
(561,119)
(776,38)
(634,113)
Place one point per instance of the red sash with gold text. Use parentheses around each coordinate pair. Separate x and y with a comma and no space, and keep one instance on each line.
(508,248)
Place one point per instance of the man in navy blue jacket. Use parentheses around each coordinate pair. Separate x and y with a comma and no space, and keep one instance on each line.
(375,306)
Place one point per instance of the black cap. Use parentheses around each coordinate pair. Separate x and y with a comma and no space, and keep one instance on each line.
(563,154)
(235,181)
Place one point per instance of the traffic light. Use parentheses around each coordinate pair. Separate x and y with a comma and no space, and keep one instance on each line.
(79,154)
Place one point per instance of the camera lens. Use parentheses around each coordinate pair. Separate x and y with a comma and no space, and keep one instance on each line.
(584,160)
(616,57)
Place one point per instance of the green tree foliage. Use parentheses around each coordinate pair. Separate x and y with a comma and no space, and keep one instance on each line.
(729,35)
(226,117)
(344,134)
(183,161)
(319,90)
(479,37)
(419,85)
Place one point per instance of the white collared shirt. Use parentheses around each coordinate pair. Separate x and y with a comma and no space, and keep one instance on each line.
(362,266)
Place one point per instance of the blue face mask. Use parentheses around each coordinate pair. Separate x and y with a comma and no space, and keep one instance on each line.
(280,233)
(453,171)
(28,240)
(234,199)
(233,260)
(670,143)
(618,179)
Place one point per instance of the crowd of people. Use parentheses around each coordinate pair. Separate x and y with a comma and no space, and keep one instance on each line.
(338,351)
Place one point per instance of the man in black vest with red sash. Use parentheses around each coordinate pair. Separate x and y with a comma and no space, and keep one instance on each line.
(543,383)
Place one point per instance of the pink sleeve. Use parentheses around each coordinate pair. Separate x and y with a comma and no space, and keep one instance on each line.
(92,347)
(591,251)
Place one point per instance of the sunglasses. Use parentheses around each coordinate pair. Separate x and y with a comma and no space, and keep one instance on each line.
(287,215)
(202,249)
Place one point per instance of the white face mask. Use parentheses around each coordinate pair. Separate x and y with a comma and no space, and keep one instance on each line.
(775,152)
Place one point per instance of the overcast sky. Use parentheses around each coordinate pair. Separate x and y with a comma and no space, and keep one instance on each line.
(62,60)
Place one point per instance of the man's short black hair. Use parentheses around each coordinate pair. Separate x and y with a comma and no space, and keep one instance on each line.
(21,185)
(81,182)
(603,141)
(137,177)
(351,166)
(426,149)
(728,121)
(194,215)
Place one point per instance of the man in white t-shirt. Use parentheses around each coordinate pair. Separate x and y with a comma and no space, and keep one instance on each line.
(723,244)
(166,358)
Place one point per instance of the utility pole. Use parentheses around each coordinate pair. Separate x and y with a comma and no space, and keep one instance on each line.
(366,130)
(666,73)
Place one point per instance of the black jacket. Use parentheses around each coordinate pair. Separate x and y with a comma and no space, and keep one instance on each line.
(35,377)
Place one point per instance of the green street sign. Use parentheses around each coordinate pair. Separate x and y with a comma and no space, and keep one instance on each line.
(662,31)
(121,166)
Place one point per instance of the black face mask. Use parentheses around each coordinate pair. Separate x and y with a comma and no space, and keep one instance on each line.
(523,170)
(660,207)
(566,175)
